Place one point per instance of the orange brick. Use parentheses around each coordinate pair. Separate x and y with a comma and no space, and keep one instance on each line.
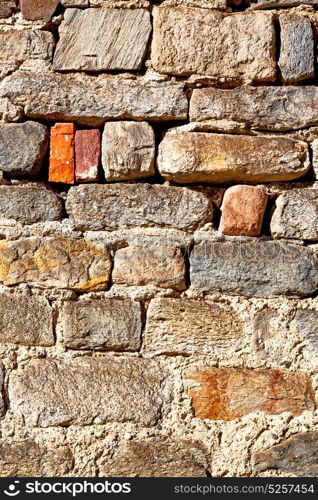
(62,157)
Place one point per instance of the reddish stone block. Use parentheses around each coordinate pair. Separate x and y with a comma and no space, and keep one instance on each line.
(243,209)
(62,162)
(87,155)
(38,9)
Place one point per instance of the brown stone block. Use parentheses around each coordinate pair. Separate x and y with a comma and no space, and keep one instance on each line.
(38,9)
(87,155)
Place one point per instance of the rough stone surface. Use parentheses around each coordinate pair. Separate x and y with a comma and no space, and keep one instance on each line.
(25,320)
(29,204)
(62,153)
(18,46)
(161,266)
(110,324)
(26,458)
(305,322)
(6,8)
(186,326)
(296,215)
(2,402)
(243,209)
(38,9)
(130,205)
(187,41)
(87,155)
(262,108)
(119,390)
(259,269)
(120,40)
(155,457)
(296,60)
(48,262)
(314,147)
(219,158)
(264,4)
(128,150)
(22,148)
(296,456)
(92,100)
(229,393)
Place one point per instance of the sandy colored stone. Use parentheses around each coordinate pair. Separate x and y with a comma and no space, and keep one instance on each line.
(222,158)
(119,41)
(243,209)
(26,458)
(22,148)
(128,150)
(25,320)
(183,326)
(91,100)
(314,148)
(38,9)
(2,401)
(6,8)
(296,456)
(59,262)
(62,153)
(261,108)
(161,266)
(87,155)
(51,392)
(109,324)
(75,3)
(155,457)
(254,269)
(29,204)
(190,41)
(296,60)
(18,46)
(296,215)
(9,112)
(267,4)
(116,206)
(230,393)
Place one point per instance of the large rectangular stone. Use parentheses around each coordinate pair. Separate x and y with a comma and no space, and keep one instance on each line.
(119,41)
(48,262)
(261,108)
(199,41)
(230,393)
(116,206)
(109,324)
(183,326)
(25,320)
(221,158)
(272,4)
(85,390)
(91,100)
(259,268)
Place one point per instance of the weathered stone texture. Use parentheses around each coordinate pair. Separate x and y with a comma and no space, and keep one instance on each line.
(198,41)
(92,100)
(22,148)
(2,402)
(128,150)
(264,4)
(259,269)
(38,9)
(296,215)
(243,210)
(110,324)
(314,147)
(296,456)
(229,393)
(186,326)
(62,153)
(119,41)
(119,390)
(49,262)
(6,8)
(29,204)
(132,205)
(305,322)
(26,458)
(161,266)
(25,320)
(261,108)
(296,60)
(155,457)
(87,155)
(220,158)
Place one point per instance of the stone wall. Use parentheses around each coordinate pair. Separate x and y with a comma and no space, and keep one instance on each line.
(158,238)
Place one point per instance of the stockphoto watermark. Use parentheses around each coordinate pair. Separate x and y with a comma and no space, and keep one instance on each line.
(74,489)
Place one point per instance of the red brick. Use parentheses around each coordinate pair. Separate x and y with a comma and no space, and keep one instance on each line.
(62,163)
(87,155)
(38,9)
(243,210)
